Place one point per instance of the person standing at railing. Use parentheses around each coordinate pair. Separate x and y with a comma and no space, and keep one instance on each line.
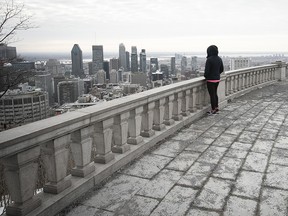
(213,69)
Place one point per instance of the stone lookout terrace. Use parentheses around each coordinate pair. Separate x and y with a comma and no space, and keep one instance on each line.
(157,153)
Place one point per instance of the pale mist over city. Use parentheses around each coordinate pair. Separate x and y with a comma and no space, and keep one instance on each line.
(158,25)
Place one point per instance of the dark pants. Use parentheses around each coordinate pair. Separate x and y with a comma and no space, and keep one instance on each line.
(212,89)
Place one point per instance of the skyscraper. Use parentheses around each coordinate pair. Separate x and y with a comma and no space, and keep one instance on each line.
(44,81)
(134,59)
(122,57)
(127,61)
(154,65)
(114,64)
(97,58)
(77,61)
(194,64)
(143,61)
(183,64)
(173,65)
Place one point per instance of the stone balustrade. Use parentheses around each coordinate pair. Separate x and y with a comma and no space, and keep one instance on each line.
(105,137)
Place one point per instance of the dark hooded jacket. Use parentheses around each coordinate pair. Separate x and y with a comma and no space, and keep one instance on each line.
(214,65)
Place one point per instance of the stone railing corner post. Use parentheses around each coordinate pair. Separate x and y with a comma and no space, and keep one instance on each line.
(280,71)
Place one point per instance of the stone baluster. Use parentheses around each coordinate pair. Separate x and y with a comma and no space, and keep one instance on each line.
(242,86)
(228,85)
(266,75)
(120,133)
(206,96)
(134,126)
(103,141)
(81,146)
(185,103)
(55,158)
(168,110)
(176,114)
(199,101)
(147,120)
(235,83)
(254,78)
(232,85)
(159,115)
(245,84)
(259,76)
(20,172)
(192,101)
(250,79)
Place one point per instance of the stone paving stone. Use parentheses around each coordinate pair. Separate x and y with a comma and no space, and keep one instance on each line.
(116,193)
(235,129)
(263,146)
(248,184)
(241,146)
(283,131)
(200,144)
(200,212)
(247,137)
(147,166)
(273,124)
(239,207)
(161,184)
(254,128)
(277,176)
(268,134)
(281,142)
(170,148)
(273,202)
(224,140)
(256,162)
(183,161)
(213,132)
(233,116)
(212,154)
(224,123)
(213,194)
(187,136)
(137,206)
(243,120)
(280,152)
(279,159)
(231,107)
(88,211)
(201,125)
(227,168)
(176,202)
(196,175)
(236,153)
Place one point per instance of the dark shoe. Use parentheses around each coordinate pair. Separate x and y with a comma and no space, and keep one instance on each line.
(211,112)
(216,109)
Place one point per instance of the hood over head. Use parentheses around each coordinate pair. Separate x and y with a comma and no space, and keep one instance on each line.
(212,51)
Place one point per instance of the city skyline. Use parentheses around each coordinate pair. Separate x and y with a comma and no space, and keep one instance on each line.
(165,26)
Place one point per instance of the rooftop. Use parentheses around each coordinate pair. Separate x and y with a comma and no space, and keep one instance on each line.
(231,163)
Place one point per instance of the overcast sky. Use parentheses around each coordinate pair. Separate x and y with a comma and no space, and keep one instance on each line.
(157,25)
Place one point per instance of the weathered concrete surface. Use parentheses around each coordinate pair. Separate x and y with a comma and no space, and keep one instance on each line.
(233,163)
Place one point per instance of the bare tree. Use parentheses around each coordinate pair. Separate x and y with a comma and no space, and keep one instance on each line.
(13,18)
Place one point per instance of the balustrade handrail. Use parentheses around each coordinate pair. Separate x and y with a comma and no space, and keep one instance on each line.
(250,69)
(50,128)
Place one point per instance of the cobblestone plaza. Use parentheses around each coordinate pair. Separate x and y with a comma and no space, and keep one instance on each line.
(232,163)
